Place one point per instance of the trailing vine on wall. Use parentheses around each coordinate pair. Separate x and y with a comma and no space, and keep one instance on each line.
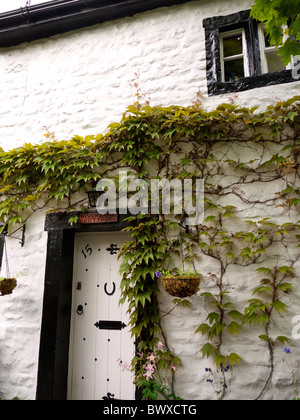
(249,161)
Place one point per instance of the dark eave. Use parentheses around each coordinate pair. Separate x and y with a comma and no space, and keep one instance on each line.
(55,17)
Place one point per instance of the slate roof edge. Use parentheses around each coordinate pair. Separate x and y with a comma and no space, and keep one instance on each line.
(59,16)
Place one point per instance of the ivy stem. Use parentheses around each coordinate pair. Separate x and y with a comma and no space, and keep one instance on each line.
(271,352)
(270,341)
(224,385)
(220,285)
(167,346)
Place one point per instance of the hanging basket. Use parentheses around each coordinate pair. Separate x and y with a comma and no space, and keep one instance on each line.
(181,285)
(7,283)
(7,286)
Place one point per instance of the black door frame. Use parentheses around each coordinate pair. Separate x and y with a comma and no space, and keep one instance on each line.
(57,302)
(2,239)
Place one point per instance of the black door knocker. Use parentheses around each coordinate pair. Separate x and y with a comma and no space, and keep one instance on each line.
(113,290)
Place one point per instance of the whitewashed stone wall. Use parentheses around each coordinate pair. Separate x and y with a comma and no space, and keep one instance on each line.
(78,83)
(247,380)
(20,312)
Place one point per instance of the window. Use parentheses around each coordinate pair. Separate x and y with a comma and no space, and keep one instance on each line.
(239,55)
(270,61)
(233,55)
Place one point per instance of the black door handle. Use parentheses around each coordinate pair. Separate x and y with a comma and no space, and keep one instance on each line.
(79,310)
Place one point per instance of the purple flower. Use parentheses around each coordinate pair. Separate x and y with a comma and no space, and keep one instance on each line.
(157,273)
(287,350)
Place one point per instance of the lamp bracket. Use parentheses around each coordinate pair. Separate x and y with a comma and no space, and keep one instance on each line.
(22,239)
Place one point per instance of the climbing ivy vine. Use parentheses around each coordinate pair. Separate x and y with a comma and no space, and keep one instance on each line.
(249,162)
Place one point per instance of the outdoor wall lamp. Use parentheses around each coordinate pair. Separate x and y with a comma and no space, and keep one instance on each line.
(93,196)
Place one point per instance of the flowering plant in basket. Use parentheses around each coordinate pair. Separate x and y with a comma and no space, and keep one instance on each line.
(180,283)
(7,285)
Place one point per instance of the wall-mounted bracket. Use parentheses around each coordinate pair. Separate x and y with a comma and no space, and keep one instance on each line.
(182,223)
(22,239)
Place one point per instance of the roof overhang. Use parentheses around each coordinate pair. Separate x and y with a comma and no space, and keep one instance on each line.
(55,17)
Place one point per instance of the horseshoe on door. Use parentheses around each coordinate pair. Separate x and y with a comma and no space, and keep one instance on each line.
(113,290)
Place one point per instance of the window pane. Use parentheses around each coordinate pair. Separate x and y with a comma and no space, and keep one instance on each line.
(274,62)
(234,69)
(267,41)
(233,45)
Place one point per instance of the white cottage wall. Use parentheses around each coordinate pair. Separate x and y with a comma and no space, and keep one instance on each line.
(247,380)
(78,83)
(20,312)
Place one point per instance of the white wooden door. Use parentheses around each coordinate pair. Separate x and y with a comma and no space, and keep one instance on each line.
(100,341)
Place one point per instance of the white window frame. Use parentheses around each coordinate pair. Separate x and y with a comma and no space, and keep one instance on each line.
(264,51)
(243,55)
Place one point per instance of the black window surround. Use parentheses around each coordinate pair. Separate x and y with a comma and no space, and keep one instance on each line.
(217,25)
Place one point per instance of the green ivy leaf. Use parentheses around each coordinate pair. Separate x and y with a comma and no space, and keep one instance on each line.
(203,328)
(234,358)
(282,339)
(72,220)
(263,270)
(213,317)
(279,306)
(220,360)
(207,350)
(262,289)
(264,337)
(234,314)
(234,328)
(284,269)
(285,287)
